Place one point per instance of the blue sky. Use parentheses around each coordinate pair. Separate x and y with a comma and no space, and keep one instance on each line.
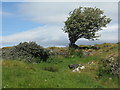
(14,23)
(43,22)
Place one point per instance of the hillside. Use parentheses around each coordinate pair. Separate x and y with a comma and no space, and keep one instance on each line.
(55,73)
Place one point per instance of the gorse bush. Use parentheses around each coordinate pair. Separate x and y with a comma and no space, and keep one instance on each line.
(28,51)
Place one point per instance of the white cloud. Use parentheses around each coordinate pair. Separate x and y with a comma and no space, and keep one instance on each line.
(47,13)
(110,29)
(45,36)
(110,34)
(54,15)
(54,36)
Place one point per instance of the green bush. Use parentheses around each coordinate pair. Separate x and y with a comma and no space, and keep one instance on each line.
(109,65)
(28,51)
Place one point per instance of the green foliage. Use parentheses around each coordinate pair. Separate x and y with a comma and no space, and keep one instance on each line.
(109,66)
(84,22)
(27,51)
(75,52)
(66,52)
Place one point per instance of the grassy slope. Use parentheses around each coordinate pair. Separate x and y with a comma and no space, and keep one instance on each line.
(17,74)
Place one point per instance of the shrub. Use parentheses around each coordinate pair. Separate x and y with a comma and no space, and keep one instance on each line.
(109,65)
(28,51)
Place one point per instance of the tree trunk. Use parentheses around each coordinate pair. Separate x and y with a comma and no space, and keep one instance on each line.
(72,43)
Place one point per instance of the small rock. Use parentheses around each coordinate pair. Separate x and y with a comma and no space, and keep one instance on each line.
(76,69)
(82,67)
(92,62)
(73,66)
(110,78)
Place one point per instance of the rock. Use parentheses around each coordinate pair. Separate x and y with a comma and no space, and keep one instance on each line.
(83,67)
(76,69)
(110,78)
(73,66)
(91,62)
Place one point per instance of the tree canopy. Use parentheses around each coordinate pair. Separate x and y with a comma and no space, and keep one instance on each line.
(84,22)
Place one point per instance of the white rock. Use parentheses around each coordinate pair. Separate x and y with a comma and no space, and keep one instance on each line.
(82,67)
(73,71)
(88,62)
(92,62)
(76,69)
